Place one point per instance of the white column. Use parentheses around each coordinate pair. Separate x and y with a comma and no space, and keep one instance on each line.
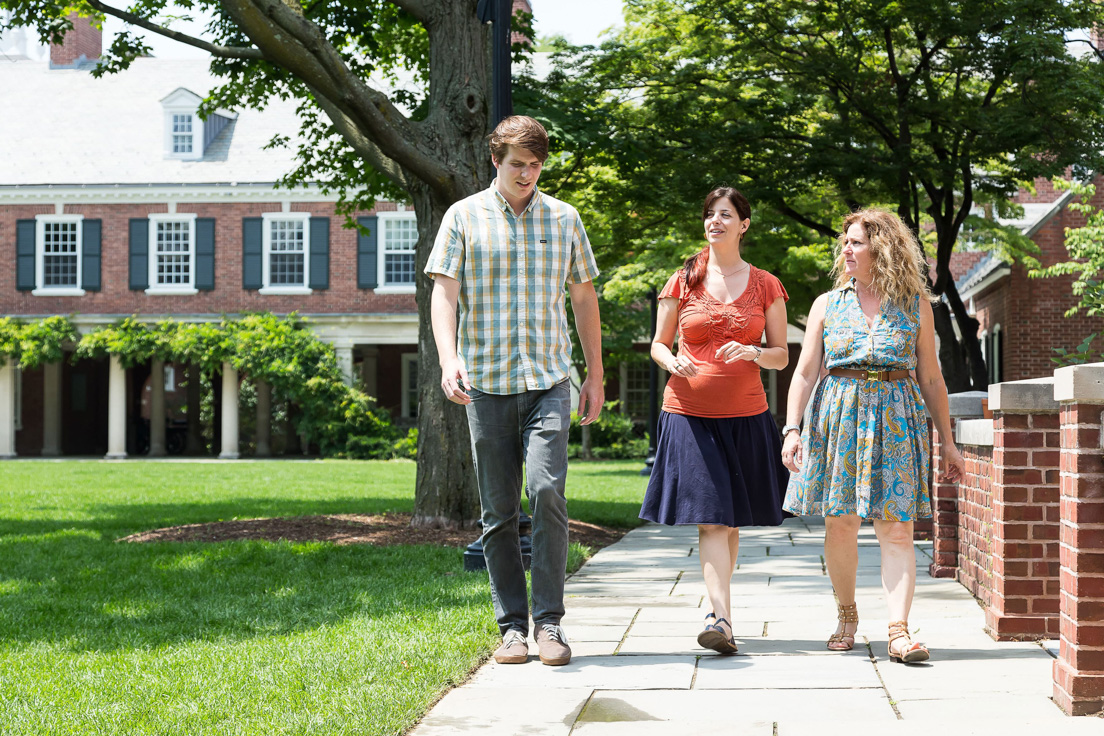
(369,370)
(7,410)
(229,412)
(345,362)
(51,409)
(157,408)
(264,419)
(116,410)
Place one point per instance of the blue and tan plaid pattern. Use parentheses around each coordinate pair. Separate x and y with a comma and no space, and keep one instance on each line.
(512,271)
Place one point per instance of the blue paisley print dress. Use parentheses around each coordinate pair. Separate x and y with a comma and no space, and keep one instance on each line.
(865,449)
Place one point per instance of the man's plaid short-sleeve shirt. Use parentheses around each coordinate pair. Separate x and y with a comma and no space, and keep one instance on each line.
(512,270)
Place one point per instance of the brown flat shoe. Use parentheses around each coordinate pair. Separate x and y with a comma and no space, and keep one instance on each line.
(514,649)
(552,643)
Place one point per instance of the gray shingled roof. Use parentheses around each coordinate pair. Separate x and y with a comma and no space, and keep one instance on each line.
(63,126)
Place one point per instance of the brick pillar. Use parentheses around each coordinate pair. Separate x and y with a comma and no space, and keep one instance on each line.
(1079,669)
(1024,580)
(944,496)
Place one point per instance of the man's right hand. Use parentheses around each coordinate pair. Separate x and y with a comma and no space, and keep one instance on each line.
(454,381)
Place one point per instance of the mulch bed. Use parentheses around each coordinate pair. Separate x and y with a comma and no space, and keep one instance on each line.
(382,530)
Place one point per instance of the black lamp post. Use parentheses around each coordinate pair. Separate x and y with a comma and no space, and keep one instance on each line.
(653,397)
(499,13)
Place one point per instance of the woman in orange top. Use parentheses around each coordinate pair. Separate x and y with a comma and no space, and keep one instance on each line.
(717,460)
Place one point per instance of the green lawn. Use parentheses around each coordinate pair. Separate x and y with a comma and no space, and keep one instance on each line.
(237,637)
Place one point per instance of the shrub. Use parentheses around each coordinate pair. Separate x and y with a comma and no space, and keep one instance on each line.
(613,436)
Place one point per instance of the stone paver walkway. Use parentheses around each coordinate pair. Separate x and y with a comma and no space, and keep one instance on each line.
(633,613)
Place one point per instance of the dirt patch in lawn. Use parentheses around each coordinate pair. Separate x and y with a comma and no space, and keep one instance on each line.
(381,530)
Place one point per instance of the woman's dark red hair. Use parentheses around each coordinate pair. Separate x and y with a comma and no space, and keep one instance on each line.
(694,268)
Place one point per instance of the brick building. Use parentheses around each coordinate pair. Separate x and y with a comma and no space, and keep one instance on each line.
(116,199)
(1022,319)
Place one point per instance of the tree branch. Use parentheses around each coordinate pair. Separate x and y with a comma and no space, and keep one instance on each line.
(224,52)
(417,8)
(362,145)
(299,45)
(796,216)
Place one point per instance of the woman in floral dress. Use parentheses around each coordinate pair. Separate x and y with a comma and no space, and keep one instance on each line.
(864,454)
(717,459)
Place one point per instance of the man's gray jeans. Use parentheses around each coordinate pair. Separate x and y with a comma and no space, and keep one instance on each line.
(508,432)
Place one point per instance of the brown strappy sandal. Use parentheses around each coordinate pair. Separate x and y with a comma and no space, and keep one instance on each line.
(914,652)
(844,642)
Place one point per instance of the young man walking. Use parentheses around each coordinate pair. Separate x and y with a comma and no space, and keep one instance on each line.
(504,255)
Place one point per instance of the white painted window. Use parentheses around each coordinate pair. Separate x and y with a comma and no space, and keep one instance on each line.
(58,255)
(182,133)
(286,238)
(172,254)
(410,385)
(170,378)
(398,238)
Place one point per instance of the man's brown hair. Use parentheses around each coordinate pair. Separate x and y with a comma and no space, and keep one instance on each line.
(521,131)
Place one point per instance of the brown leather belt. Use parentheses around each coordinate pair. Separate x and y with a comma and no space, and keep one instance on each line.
(868,375)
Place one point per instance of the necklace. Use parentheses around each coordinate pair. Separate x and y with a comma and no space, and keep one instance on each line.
(731,273)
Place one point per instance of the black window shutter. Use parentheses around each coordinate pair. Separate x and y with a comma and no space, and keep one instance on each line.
(252,258)
(205,253)
(139,253)
(25,255)
(319,253)
(367,253)
(91,242)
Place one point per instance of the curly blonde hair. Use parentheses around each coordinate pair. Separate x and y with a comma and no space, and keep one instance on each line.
(896,264)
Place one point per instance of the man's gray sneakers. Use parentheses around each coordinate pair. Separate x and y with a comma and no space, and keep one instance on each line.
(553,644)
(514,649)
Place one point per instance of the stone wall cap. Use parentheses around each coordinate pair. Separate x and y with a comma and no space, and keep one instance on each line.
(974,432)
(1032,395)
(966,403)
(1080,383)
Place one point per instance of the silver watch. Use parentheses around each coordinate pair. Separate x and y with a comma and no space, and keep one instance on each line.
(789,428)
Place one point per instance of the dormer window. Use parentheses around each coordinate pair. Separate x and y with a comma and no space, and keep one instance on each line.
(182,124)
(186,136)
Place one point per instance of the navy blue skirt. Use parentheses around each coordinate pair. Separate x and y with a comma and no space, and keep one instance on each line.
(725,471)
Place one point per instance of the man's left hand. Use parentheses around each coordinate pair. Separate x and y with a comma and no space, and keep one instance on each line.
(592,394)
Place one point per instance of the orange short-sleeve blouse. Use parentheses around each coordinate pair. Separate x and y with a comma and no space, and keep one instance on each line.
(705,324)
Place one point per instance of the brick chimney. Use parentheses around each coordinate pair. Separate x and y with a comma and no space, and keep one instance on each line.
(83,45)
(521,6)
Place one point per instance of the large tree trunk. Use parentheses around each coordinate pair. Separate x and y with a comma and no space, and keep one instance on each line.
(445,493)
(951,359)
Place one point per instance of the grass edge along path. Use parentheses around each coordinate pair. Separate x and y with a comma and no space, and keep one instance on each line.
(241,637)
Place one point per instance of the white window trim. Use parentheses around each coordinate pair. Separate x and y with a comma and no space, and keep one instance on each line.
(381,252)
(197,134)
(266,250)
(40,256)
(405,360)
(173,289)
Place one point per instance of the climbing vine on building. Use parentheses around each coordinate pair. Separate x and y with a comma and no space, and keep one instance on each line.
(282,351)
